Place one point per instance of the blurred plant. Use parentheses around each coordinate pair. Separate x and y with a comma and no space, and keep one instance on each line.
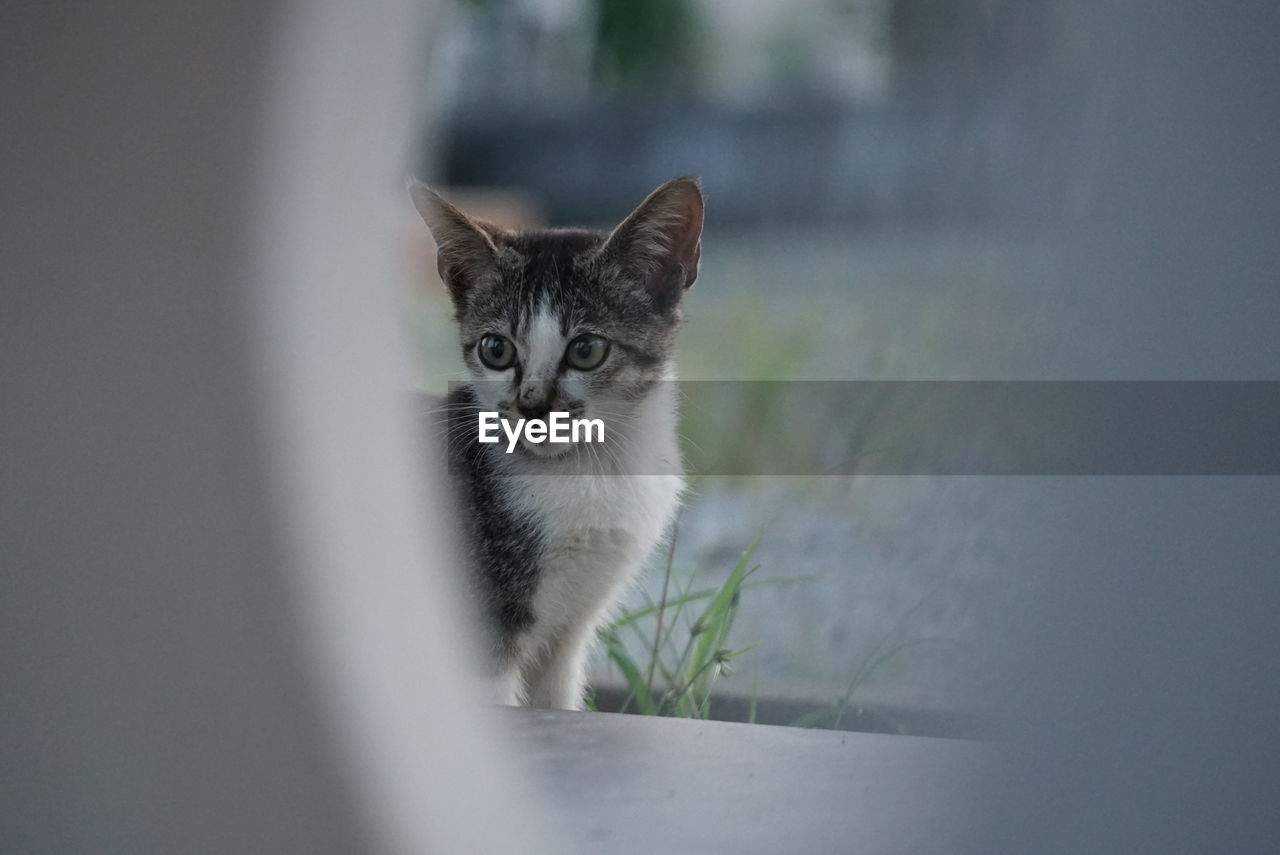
(677,679)
(831,715)
(671,670)
(643,45)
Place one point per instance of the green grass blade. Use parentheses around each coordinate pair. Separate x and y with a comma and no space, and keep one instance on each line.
(714,617)
(662,604)
(823,717)
(717,620)
(755,697)
(635,679)
(707,593)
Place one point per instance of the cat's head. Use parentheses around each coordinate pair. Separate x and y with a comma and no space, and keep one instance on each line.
(567,319)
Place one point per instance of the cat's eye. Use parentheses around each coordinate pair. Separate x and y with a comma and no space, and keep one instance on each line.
(496,352)
(586,352)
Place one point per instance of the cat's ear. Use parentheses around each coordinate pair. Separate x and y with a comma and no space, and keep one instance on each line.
(465,250)
(662,240)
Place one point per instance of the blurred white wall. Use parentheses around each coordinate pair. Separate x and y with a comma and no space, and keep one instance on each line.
(226,621)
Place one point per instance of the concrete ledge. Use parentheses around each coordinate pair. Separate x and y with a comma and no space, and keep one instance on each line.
(634,784)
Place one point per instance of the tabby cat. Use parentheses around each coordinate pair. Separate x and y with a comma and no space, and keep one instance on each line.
(581,322)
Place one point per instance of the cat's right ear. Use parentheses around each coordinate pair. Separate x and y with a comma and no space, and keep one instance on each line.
(662,240)
(465,251)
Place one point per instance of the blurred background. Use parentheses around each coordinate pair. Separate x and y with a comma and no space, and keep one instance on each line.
(221,613)
(883,179)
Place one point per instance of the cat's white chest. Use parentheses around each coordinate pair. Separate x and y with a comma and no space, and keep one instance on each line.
(597,531)
(596,522)
(572,504)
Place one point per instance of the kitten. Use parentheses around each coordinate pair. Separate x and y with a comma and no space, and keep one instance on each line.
(577,321)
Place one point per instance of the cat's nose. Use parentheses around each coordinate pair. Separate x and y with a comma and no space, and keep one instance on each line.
(533,404)
(535,411)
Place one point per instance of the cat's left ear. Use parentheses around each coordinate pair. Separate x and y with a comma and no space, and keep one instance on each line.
(662,240)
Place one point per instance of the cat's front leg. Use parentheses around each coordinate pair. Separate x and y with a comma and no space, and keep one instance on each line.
(558,678)
(508,687)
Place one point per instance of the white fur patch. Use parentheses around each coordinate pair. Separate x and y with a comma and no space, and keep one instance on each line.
(603,514)
(543,345)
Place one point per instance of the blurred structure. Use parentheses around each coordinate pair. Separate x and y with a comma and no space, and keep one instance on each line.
(527,55)
(959,46)
(225,620)
(904,109)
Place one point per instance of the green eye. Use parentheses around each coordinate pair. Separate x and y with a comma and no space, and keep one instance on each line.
(496,352)
(586,352)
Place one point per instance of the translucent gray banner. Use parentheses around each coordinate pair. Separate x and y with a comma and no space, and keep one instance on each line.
(811,428)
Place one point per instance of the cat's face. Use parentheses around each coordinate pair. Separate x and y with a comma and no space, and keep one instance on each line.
(569,320)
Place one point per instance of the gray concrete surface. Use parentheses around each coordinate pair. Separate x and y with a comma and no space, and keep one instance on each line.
(630,784)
